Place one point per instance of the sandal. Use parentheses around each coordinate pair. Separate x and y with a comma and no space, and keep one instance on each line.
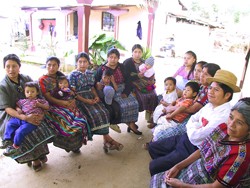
(37,167)
(43,159)
(115,145)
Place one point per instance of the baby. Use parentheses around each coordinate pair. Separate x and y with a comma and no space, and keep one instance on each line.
(169,96)
(17,129)
(63,91)
(146,69)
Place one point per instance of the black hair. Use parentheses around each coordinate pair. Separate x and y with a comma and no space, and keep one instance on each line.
(226,89)
(195,86)
(113,51)
(137,46)
(53,58)
(12,57)
(35,85)
(83,54)
(60,78)
(107,72)
(193,65)
(170,78)
(211,68)
(202,63)
(32,84)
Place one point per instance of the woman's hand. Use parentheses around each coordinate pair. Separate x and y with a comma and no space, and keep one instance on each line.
(35,119)
(123,95)
(140,75)
(174,182)
(96,99)
(172,172)
(99,86)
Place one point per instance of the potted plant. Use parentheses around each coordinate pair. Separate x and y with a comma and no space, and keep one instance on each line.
(99,46)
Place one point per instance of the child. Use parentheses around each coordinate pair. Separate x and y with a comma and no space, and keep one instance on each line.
(169,95)
(17,129)
(109,87)
(107,95)
(186,71)
(178,115)
(64,92)
(146,83)
(146,69)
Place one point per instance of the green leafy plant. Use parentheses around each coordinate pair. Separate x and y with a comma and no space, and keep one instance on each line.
(99,46)
(146,53)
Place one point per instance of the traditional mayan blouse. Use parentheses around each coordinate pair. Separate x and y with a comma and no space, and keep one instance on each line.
(226,161)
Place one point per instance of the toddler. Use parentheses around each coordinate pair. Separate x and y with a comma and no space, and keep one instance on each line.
(170,95)
(109,87)
(17,129)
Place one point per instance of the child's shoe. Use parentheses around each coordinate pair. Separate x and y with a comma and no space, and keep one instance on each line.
(5,144)
(10,150)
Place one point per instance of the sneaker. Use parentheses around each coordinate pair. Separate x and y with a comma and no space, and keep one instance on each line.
(115,127)
(5,144)
(10,150)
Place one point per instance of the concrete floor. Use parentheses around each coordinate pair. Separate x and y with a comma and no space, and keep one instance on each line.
(91,168)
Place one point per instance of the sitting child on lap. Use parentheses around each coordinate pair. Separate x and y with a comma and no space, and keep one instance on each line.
(178,115)
(17,129)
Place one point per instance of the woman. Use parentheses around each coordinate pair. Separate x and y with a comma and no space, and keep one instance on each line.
(167,152)
(198,69)
(208,70)
(71,129)
(82,81)
(186,71)
(34,147)
(127,102)
(147,101)
(222,160)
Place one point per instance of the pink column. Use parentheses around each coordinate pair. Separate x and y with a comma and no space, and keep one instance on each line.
(83,11)
(151,18)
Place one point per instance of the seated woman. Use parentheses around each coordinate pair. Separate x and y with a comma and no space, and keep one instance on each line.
(186,71)
(201,100)
(82,81)
(61,115)
(222,160)
(34,146)
(123,96)
(147,100)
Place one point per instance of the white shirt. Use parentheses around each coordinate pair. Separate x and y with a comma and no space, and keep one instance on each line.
(170,97)
(202,123)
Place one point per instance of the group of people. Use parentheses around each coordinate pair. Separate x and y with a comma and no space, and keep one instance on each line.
(69,109)
(197,138)
(202,142)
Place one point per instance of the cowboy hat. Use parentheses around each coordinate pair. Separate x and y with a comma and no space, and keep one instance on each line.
(225,77)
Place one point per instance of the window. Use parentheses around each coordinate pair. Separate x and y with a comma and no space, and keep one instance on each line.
(108,21)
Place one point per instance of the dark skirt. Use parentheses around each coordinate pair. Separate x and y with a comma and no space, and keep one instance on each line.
(147,101)
(97,115)
(34,144)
